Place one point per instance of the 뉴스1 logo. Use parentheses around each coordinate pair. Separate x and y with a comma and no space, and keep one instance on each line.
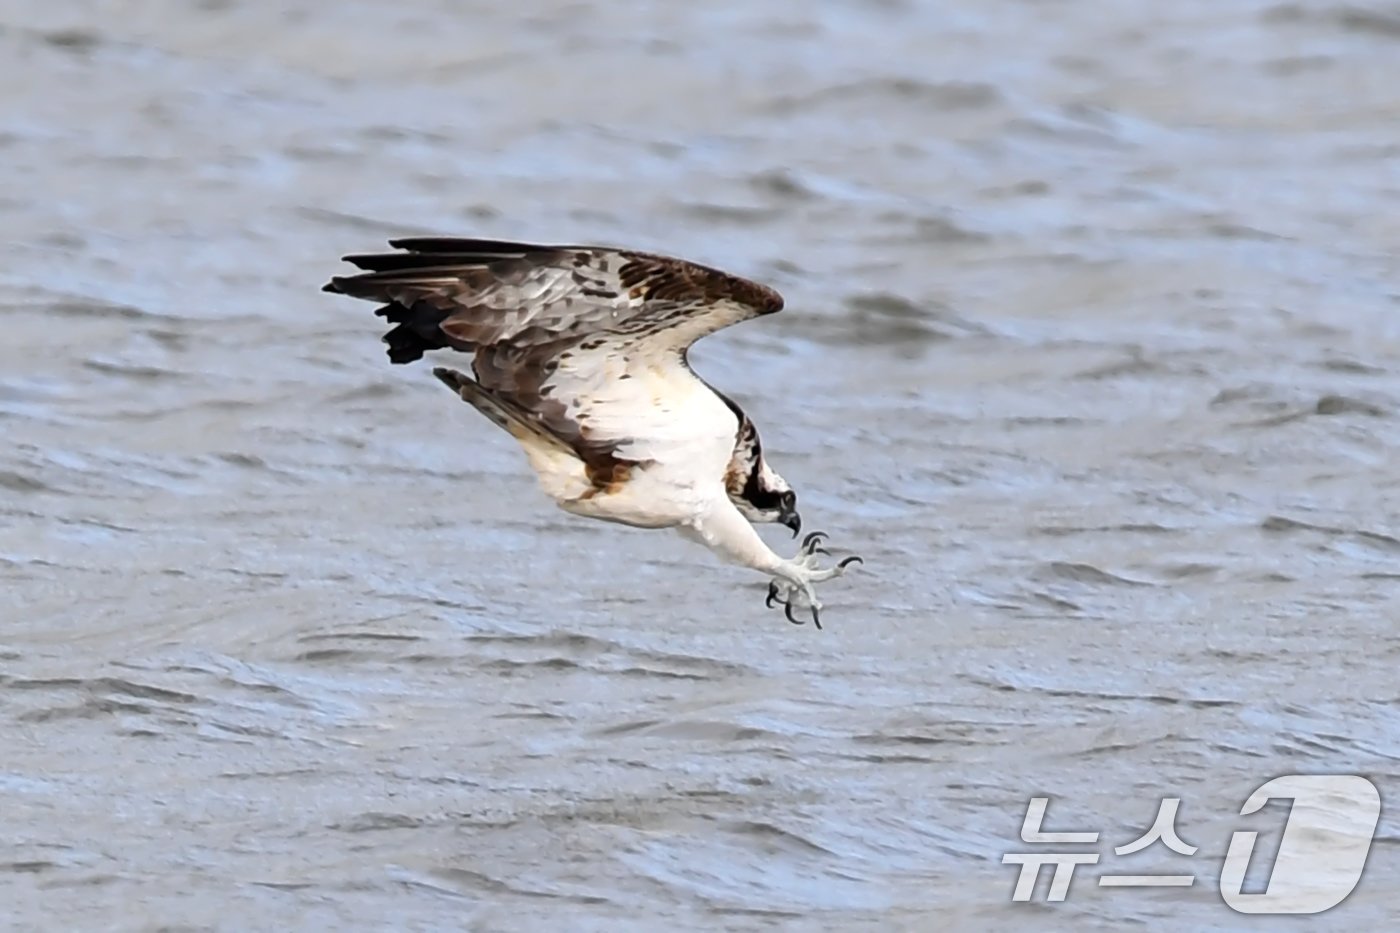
(1320,858)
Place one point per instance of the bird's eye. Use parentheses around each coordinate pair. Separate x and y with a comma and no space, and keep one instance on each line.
(789,499)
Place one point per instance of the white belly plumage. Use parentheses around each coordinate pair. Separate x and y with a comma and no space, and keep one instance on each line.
(681,438)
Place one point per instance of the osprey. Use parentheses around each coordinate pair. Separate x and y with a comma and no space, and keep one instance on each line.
(579,352)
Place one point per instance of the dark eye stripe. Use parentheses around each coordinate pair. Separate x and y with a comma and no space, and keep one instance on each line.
(756,495)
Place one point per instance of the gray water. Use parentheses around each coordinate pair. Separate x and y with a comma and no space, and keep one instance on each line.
(1091,350)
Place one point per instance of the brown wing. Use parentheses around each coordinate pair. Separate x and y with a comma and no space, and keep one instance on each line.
(467,294)
(556,329)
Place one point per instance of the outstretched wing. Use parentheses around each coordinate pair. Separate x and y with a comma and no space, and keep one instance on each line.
(590,341)
(468,294)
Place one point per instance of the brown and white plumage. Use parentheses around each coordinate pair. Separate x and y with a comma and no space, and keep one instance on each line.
(580,353)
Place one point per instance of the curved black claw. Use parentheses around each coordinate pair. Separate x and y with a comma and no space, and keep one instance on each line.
(772,596)
(809,543)
(816,618)
(853,559)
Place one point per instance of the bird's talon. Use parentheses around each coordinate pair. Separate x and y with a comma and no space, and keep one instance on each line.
(807,572)
(773,596)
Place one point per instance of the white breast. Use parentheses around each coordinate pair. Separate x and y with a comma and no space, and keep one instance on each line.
(671,423)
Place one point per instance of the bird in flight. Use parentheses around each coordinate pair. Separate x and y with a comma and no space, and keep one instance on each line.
(579,353)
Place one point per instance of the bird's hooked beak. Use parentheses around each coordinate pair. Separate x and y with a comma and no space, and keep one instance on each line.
(792,519)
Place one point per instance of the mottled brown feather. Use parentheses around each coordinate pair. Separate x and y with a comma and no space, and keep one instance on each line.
(521,309)
(608,476)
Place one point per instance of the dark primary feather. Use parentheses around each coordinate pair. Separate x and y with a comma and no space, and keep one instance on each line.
(468,294)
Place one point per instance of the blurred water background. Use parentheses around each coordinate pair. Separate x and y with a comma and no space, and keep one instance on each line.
(1091,350)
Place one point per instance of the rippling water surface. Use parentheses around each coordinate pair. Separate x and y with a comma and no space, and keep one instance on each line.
(1091,349)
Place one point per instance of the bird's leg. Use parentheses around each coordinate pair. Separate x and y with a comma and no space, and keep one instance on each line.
(723,529)
(795,578)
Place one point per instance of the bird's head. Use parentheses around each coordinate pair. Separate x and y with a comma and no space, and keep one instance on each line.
(755,488)
(767,497)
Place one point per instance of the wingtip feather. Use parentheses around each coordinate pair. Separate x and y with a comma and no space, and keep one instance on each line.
(449,377)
